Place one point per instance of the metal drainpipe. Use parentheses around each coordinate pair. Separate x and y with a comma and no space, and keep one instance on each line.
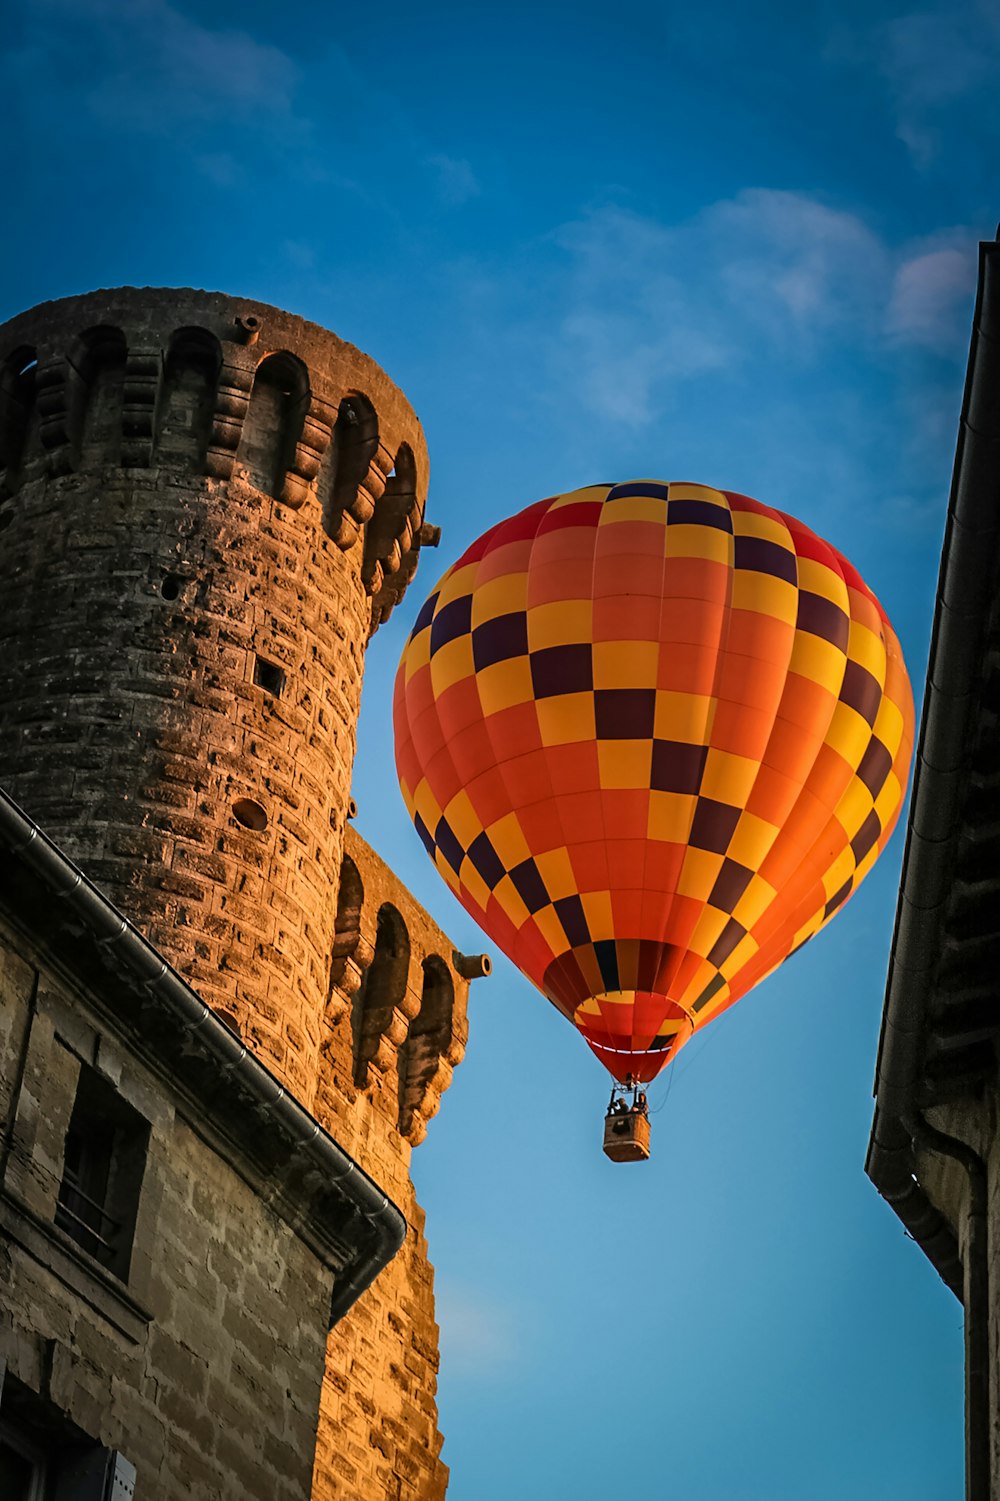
(977,1304)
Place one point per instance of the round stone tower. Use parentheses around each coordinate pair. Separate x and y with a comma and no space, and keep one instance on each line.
(206,507)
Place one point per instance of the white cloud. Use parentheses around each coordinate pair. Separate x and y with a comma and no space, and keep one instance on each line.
(478,1337)
(152,67)
(456,181)
(642,307)
(932,297)
(625,328)
(933,56)
(787,258)
(239,105)
(939,65)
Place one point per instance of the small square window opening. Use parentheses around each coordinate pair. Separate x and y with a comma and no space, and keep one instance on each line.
(269,676)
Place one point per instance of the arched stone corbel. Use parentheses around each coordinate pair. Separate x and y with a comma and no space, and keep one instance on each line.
(58,392)
(429,1102)
(313,442)
(392,539)
(371,486)
(345,532)
(354,471)
(347,971)
(232,399)
(393,588)
(390,1038)
(352,952)
(142,384)
(379,1019)
(17,396)
(434,1047)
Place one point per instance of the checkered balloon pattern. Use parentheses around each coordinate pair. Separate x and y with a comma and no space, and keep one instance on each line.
(653,736)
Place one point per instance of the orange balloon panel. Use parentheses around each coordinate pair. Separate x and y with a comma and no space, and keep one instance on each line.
(653,736)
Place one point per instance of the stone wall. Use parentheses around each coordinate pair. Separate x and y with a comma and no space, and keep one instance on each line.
(209,507)
(396,1029)
(206,507)
(204,1366)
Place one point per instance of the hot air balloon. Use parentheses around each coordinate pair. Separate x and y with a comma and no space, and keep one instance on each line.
(653,736)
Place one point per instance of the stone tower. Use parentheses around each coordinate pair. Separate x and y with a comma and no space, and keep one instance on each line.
(207,506)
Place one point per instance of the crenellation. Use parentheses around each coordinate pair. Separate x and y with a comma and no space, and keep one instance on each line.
(273,425)
(139,398)
(310,448)
(18,375)
(109,394)
(56,384)
(216,504)
(232,400)
(99,362)
(186,400)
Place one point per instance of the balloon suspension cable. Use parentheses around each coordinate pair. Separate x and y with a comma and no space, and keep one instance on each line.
(621,1104)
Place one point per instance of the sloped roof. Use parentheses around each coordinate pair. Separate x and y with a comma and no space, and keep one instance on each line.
(941,1015)
(268,1137)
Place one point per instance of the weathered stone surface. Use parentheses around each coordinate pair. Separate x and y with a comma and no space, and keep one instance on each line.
(379,1085)
(206,507)
(182,641)
(204,1366)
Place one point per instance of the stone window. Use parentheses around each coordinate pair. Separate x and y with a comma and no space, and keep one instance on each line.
(269,676)
(44,1457)
(103,1164)
(22,1466)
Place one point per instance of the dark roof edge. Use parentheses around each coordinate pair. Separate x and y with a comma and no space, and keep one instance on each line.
(314,1150)
(964,595)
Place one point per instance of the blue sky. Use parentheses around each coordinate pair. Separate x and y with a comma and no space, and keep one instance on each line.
(725,243)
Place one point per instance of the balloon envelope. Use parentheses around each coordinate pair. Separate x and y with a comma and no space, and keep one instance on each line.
(653,736)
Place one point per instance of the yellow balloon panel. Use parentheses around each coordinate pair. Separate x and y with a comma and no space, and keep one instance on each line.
(653,736)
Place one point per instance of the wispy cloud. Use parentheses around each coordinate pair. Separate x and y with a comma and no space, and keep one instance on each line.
(767,274)
(931,296)
(456,181)
(626,329)
(154,68)
(236,106)
(479,1337)
(790,263)
(932,58)
(939,66)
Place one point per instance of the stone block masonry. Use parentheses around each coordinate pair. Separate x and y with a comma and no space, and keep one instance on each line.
(202,1362)
(396,1029)
(210,505)
(207,506)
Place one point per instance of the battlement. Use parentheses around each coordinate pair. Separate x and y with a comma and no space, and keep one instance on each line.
(197,383)
(206,508)
(397,976)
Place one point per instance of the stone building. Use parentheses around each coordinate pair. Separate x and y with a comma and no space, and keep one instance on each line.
(207,507)
(172,1224)
(935,1144)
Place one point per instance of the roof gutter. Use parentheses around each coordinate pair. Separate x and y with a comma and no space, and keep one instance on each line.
(976,1297)
(965,592)
(314,1151)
